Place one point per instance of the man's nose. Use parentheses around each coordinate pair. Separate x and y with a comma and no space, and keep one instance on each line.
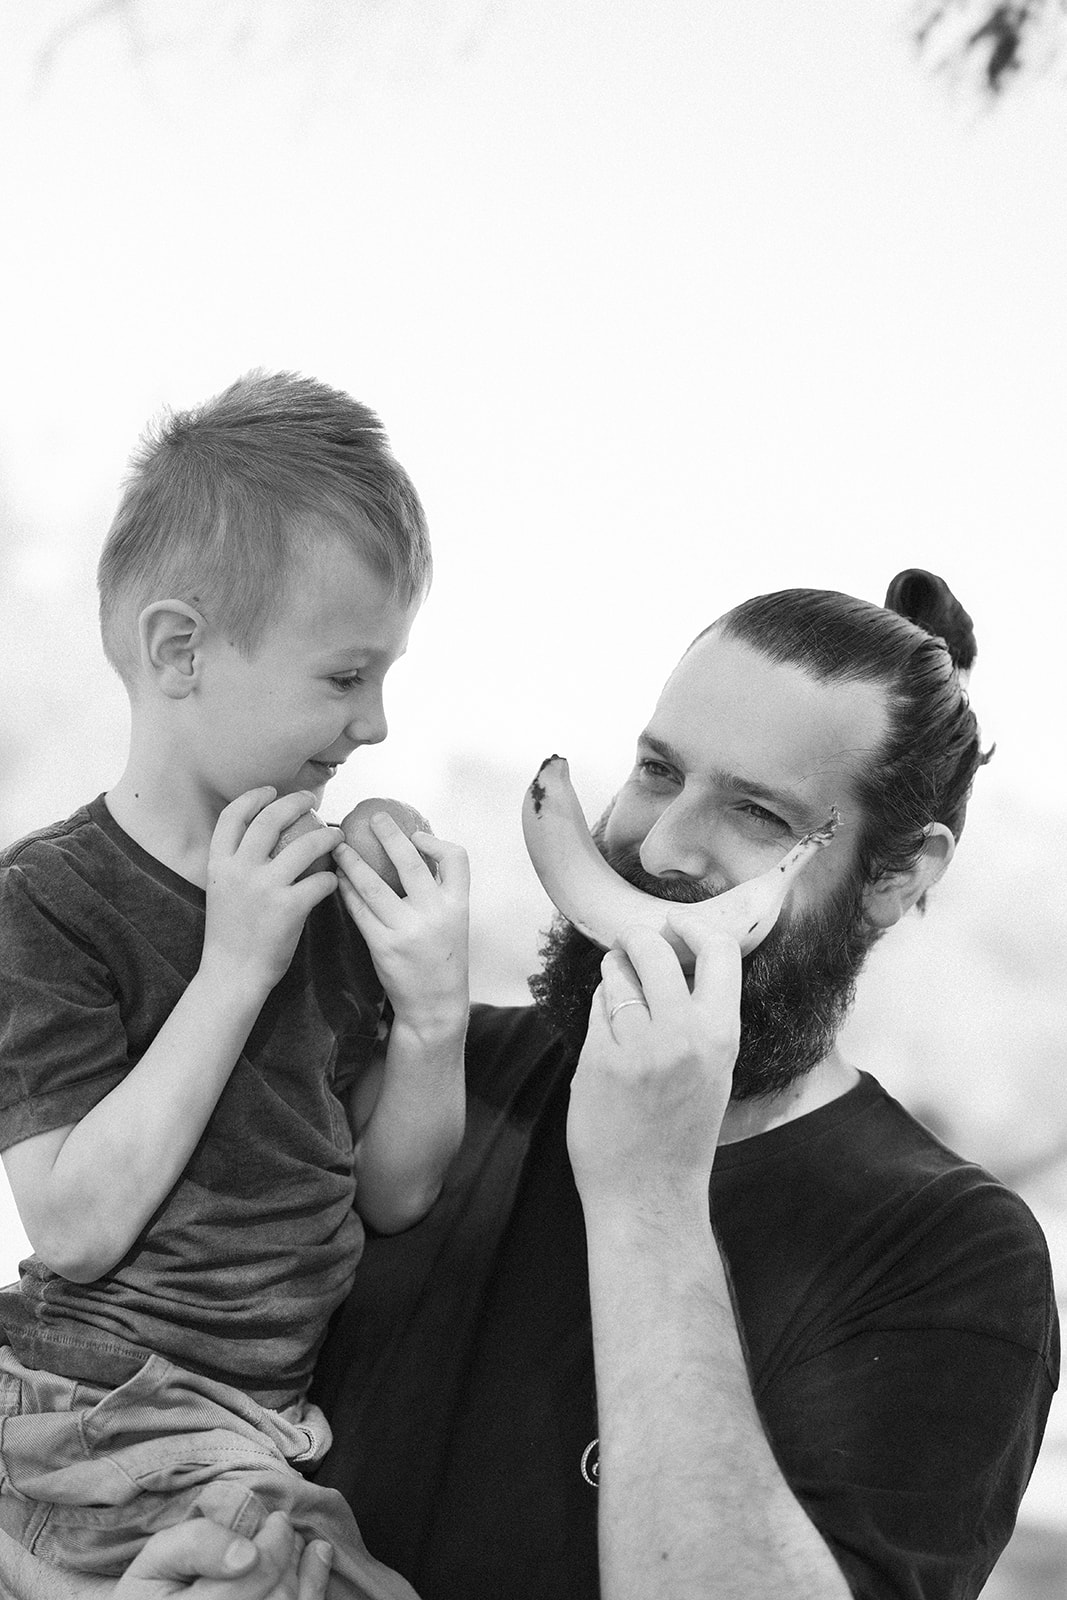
(678,844)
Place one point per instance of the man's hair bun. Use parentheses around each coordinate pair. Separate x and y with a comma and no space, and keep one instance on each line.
(927,600)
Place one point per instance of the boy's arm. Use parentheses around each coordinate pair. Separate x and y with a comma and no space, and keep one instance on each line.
(85,1192)
(408,1111)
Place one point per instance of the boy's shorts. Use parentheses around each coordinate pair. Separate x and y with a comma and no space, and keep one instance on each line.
(87,1474)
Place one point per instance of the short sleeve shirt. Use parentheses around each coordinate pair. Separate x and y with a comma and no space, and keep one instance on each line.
(257,1243)
(896,1302)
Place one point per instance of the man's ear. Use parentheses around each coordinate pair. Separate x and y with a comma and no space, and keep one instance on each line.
(887,900)
(171,635)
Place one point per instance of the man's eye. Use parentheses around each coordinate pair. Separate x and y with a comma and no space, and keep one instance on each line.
(346,681)
(654,769)
(764,817)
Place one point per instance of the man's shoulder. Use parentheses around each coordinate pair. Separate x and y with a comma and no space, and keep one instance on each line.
(962,1244)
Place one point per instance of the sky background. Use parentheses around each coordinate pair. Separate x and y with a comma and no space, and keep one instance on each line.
(662,306)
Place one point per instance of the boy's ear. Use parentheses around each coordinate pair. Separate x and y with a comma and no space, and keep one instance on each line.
(171,635)
(887,900)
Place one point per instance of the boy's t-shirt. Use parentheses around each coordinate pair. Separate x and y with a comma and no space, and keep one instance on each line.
(257,1243)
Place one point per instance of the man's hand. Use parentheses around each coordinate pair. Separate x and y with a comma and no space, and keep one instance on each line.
(653,1080)
(418,940)
(201,1561)
(197,1560)
(257,904)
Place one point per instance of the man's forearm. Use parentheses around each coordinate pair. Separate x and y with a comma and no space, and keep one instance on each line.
(692,1502)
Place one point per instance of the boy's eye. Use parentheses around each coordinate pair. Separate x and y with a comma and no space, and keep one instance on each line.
(346,681)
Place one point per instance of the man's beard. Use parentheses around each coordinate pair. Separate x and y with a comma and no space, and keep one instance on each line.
(797,985)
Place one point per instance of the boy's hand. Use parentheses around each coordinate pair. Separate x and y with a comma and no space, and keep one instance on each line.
(256,905)
(418,940)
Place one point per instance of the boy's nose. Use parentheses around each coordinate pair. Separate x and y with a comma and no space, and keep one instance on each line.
(368,725)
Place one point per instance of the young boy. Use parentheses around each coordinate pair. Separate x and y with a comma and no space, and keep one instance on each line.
(193,1086)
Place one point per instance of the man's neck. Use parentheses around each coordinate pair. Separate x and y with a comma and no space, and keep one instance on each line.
(831,1078)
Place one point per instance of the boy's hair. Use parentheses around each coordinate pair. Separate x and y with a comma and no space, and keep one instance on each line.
(920,647)
(221,500)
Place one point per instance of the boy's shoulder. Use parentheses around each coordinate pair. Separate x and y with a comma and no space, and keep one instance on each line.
(65,869)
(77,833)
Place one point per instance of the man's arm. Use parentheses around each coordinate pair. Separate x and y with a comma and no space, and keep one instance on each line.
(692,1501)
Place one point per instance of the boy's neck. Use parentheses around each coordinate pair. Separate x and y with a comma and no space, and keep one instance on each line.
(164,817)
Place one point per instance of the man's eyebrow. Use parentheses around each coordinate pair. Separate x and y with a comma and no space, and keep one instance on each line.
(785,800)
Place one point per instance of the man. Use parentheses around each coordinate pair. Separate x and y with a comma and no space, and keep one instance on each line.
(576,1377)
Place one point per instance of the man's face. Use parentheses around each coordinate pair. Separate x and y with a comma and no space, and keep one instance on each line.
(741,758)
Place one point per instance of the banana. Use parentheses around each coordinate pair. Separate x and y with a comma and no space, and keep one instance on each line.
(600,903)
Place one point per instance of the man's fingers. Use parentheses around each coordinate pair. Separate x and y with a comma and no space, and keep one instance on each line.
(224,1565)
(315,1565)
(621,997)
(194,1549)
(660,978)
(717,974)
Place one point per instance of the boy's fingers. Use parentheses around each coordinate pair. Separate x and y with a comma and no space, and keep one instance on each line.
(235,818)
(406,857)
(300,854)
(364,880)
(450,858)
(271,821)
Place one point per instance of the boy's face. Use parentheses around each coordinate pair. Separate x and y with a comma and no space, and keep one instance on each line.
(310,692)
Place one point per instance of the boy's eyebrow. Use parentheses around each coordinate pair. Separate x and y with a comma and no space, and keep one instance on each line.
(781,799)
(357,653)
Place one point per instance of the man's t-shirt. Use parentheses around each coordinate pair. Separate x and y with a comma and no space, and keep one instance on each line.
(238,1271)
(896,1303)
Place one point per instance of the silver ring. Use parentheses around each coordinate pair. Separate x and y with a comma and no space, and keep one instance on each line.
(622,1006)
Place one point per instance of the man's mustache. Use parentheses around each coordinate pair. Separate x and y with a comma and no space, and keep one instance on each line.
(686,891)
